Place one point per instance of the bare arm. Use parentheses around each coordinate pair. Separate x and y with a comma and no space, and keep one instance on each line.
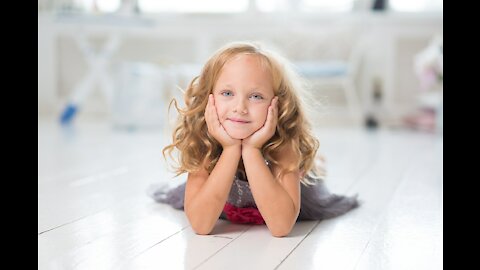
(277,199)
(205,195)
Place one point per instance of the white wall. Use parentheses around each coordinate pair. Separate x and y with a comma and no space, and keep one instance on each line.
(393,39)
(47,72)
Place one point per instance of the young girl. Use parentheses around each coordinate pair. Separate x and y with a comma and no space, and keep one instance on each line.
(245,142)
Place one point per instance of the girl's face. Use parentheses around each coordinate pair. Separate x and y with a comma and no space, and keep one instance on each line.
(242,95)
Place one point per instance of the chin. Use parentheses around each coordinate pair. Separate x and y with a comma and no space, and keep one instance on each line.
(238,135)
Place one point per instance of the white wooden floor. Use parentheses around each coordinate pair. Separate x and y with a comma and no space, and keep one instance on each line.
(93,211)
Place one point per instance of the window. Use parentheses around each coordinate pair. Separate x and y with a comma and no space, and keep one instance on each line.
(191,6)
(102,6)
(416,5)
(326,5)
(222,6)
(304,5)
(237,6)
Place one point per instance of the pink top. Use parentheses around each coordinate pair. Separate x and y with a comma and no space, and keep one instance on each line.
(244,215)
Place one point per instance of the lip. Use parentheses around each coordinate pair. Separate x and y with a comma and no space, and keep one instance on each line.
(237,120)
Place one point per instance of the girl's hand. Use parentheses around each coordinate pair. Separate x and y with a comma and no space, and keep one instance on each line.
(261,136)
(215,128)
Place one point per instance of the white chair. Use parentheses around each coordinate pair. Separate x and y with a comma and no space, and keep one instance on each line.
(331,59)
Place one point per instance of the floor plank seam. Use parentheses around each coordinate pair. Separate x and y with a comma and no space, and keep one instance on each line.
(89,215)
(211,256)
(411,164)
(70,222)
(296,246)
(97,213)
(384,212)
(360,176)
(140,253)
(348,189)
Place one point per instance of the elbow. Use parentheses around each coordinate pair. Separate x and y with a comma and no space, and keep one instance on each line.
(202,227)
(201,230)
(283,228)
(200,224)
(280,231)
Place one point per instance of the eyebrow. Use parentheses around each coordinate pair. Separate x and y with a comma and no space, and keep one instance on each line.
(227,85)
(254,88)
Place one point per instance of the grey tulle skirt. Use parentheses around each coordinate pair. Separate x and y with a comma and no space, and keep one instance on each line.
(317,203)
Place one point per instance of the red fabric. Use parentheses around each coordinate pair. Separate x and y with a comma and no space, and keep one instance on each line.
(243,215)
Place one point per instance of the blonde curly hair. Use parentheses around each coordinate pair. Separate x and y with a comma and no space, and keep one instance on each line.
(198,148)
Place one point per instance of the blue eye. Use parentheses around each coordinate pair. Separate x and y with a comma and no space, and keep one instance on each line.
(226,93)
(256,96)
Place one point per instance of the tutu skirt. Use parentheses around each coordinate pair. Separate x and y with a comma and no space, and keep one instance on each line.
(317,202)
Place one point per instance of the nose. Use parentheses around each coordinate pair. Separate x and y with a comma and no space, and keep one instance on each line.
(240,106)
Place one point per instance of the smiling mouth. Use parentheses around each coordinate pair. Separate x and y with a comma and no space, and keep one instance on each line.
(239,121)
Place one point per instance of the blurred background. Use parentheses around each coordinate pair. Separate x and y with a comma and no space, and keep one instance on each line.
(369,63)
(107,70)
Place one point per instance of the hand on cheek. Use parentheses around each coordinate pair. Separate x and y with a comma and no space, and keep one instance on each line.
(215,128)
(261,136)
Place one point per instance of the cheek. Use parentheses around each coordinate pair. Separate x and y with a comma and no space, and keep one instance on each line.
(221,110)
(262,113)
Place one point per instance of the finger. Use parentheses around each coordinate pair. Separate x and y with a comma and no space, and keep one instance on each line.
(213,110)
(274,108)
(274,114)
(270,116)
(207,111)
(213,113)
(211,99)
(210,115)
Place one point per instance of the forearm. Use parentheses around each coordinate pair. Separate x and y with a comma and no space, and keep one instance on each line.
(273,201)
(204,208)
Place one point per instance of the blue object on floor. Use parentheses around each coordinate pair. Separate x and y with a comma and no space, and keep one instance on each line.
(68,114)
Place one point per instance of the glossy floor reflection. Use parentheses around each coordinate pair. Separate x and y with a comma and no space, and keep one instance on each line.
(93,211)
